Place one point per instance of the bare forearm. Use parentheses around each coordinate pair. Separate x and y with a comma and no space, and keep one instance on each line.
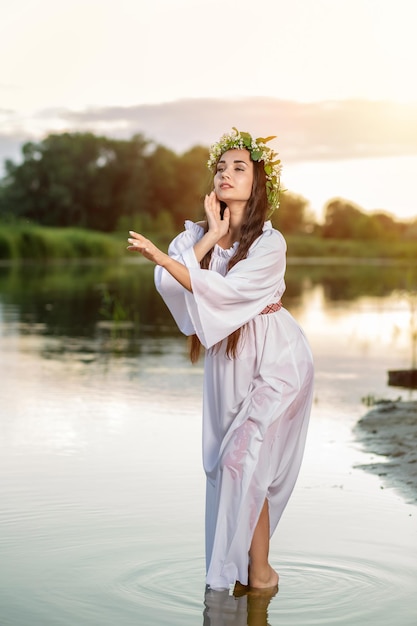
(139,243)
(217,226)
(177,271)
(205,244)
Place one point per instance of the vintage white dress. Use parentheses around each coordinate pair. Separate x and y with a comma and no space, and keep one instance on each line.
(256,407)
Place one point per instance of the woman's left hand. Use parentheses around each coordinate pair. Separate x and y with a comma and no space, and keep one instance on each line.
(217,226)
(139,243)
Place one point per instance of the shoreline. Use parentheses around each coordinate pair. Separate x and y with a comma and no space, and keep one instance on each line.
(22,240)
(389,430)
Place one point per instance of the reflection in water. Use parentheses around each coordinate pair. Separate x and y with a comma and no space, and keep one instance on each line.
(109,309)
(246,607)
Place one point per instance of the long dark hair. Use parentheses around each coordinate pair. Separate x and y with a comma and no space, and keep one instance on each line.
(252,225)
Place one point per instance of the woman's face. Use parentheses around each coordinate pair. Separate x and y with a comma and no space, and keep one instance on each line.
(233,179)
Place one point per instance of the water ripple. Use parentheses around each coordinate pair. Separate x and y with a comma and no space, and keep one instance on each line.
(324,590)
(166,584)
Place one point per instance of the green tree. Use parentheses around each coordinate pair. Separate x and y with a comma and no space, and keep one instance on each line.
(344,220)
(194,180)
(386,227)
(161,171)
(410,230)
(177,184)
(291,217)
(77,179)
(122,186)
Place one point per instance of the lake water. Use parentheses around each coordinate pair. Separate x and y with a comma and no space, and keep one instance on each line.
(101,483)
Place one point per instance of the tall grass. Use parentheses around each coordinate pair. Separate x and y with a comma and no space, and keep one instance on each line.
(29,241)
(26,241)
(316,247)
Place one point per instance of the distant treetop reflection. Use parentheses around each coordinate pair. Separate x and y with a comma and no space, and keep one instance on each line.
(116,305)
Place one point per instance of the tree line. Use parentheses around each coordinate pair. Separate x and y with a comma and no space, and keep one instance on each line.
(104,184)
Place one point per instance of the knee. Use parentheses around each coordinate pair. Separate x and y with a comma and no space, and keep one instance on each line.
(234,457)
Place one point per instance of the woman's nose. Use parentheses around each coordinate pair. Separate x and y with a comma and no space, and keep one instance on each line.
(225,173)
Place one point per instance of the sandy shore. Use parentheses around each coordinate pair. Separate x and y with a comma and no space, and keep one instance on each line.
(390,430)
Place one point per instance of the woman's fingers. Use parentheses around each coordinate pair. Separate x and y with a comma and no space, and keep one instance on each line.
(212,208)
(211,203)
(139,243)
(207,203)
(226,215)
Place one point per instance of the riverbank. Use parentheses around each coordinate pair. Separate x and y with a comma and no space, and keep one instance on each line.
(30,241)
(390,431)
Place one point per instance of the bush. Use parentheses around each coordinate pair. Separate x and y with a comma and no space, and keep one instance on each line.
(23,241)
(7,250)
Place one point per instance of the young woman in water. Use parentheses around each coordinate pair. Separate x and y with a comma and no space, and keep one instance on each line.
(223,280)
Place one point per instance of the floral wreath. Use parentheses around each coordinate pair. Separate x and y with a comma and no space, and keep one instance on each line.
(259,151)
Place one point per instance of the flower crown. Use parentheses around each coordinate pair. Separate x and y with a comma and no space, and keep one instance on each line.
(258,152)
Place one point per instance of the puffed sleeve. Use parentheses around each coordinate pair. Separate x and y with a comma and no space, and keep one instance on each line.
(170,289)
(218,305)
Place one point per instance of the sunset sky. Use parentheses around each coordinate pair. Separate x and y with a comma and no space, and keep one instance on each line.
(66,58)
(77,53)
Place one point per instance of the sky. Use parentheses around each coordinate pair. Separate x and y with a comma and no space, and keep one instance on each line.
(78,53)
(118,67)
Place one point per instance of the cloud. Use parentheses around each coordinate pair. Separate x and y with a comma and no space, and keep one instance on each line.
(10,148)
(306,131)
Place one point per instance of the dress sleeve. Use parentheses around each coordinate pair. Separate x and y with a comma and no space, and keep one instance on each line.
(170,289)
(219,305)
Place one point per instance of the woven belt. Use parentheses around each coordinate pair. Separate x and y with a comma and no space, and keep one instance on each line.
(271,308)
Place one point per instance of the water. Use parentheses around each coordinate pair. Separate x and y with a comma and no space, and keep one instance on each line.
(102,489)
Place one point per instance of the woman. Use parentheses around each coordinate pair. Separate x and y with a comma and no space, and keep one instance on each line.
(223,280)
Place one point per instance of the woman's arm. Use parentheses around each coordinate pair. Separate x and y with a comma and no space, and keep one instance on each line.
(217,228)
(138,243)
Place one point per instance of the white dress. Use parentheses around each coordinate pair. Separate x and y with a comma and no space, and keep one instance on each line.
(256,407)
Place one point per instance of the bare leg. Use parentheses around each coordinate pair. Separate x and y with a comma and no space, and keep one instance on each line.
(261,574)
